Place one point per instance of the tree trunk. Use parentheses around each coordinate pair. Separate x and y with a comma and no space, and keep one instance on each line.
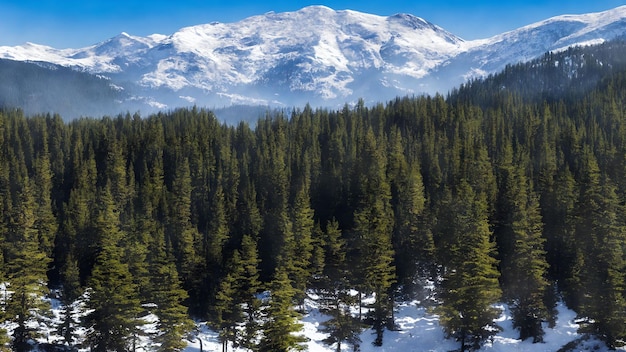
(392,323)
(463,341)
(360,304)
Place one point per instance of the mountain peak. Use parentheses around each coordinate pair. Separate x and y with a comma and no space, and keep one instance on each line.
(316,9)
(409,19)
(318,54)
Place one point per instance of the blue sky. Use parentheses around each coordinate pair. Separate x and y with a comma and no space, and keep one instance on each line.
(78,23)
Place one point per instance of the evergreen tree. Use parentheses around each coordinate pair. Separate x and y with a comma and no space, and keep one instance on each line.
(333,289)
(71,291)
(373,224)
(529,267)
(174,322)
(182,236)
(470,280)
(412,185)
(412,239)
(228,306)
(4,216)
(4,341)
(521,247)
(249,289)
(300,248)
(281,321)
(26,269)
(113,296)
(599,234)
(45,222)
(558,214)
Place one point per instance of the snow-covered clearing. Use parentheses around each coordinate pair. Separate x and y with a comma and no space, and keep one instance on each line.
(419,330)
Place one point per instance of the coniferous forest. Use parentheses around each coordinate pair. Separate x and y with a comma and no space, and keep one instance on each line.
(493,193)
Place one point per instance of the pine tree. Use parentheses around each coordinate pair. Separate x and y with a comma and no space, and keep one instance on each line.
(412,239)
(228,305)
(599,234)
(174,322)
(273,195)
(333,290)
(115,304)
(45,222)
(4,216)
(529,267)
(521,247)
(300,249)
(470,280)
(113,296)
(71,291)
(373,224)
(557,208)
(182,235)
(4,341)
(164,288)
(249,289)
(26,269)
(281,321)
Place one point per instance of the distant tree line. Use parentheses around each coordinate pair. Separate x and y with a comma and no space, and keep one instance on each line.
(39,87)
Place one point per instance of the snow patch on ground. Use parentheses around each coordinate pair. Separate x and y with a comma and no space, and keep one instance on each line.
(419,331)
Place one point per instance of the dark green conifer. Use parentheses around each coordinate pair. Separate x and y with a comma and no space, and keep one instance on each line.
(373,226)
(470,280)
(26,268)
(228,305)
(174,322)
(113,296)
(599,234)
(528,266)
(281,322)
(333,290)
(300,247)
(250,287)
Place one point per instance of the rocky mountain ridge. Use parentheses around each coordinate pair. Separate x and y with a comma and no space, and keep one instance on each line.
(315,55)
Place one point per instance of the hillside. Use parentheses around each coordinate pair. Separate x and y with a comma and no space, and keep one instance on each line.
(47,88)
(565,75)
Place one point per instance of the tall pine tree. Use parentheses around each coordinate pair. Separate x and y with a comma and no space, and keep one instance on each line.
(470,280)
(26,269)
(373,225)
(113,298)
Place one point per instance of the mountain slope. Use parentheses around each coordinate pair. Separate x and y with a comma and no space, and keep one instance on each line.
(315,55)
(555,34)
(43,87)
(566,75)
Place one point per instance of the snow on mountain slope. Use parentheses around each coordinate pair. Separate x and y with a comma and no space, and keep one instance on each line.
(100,58)
(317,55)
(315,49)
(558,33)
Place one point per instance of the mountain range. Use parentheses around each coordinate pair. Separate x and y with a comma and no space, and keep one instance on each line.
(315,55)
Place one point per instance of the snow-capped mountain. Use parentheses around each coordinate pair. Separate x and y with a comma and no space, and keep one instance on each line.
(491,55)
(315,55)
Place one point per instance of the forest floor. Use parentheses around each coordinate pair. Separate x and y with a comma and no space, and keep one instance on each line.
(418,331)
